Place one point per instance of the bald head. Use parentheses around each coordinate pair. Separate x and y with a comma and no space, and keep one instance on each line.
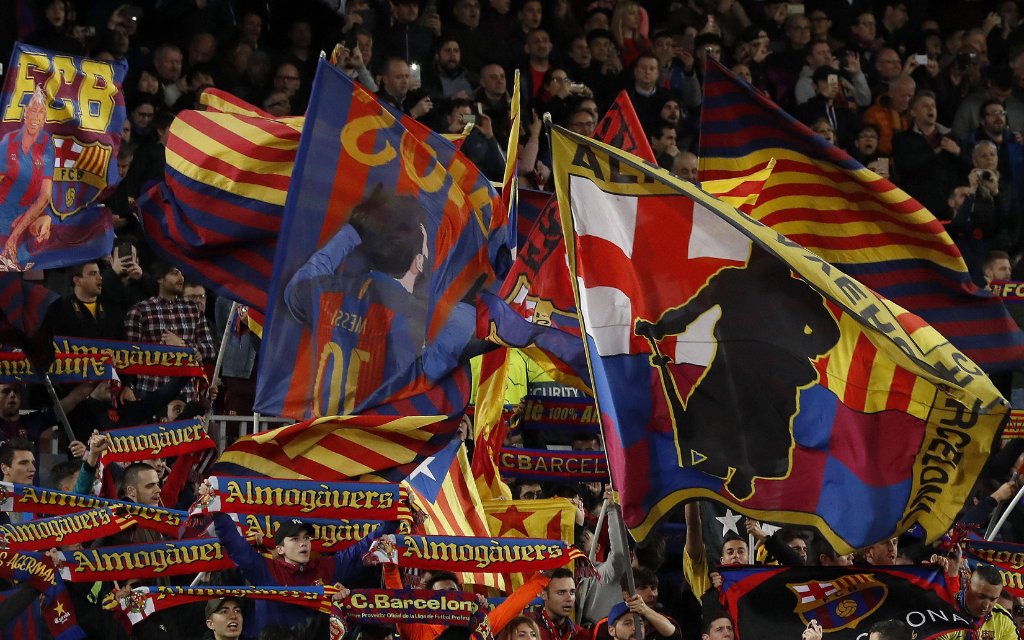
(901,90)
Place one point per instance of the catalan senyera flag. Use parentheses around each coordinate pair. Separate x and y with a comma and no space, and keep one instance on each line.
(337,448)
(443,488)
(489,426)
(551,518)
(822,199)
(60,127)
(687,303)
(381,248)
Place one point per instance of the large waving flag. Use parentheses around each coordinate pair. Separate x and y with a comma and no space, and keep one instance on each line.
(444,489)
(379,246)
(338,448)
(730,363)
(60,128)
(821,198)
(218,212)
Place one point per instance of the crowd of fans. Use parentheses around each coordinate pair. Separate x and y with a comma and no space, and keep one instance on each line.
(930,97)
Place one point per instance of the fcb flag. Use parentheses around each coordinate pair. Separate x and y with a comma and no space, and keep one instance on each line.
(846,601)
(687,303)
(822,199)
(60,127)
(337,448)
(380,246)
(443,488)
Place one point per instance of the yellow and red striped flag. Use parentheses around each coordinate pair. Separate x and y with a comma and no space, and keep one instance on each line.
(443,489)
(335,448)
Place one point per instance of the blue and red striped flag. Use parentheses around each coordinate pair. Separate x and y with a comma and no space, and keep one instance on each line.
(23,309)
(732,364)
(821,198)
(381,245)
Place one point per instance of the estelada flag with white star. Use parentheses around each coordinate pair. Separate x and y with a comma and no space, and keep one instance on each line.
(442,487)
(731,363)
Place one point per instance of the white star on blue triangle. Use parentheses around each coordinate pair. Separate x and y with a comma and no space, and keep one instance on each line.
(427,478)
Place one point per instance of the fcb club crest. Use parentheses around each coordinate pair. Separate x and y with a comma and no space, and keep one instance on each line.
(841,603)
(79,173)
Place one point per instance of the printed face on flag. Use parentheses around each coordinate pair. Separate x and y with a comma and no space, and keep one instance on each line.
(60,127)
(377,249)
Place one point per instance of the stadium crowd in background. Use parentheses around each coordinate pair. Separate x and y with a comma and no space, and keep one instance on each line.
(928,94)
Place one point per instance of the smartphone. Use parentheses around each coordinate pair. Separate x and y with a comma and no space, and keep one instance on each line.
(480,108)
(430,10)
(468,118)
(797,9)
(921,58)
(123,250)
(414,71)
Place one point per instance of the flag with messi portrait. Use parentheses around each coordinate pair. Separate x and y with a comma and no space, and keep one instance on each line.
(380,255)
(780,602)
(60,128)
(730,363)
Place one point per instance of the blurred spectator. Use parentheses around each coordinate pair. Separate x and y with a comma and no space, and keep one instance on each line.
(167,60)
(167,318)
(684,166)
(448,78)
(630,38)
(394,89)
(83,313)
(405,38)
(843,121)
(890,112)
(927,156)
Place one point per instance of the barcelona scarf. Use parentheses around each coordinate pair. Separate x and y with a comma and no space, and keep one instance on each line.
(143,561)
(418,606)
(463,553)
(16,368)
(544,464)
(296,498)
(328,536)
(163,440)
(1005,556)
(74,528)
(137,359)
(143,602)
(1009,291)
(28,567)
(24,498)
(578,415)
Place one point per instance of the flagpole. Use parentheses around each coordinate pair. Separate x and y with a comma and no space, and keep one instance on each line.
(57,409)
(220,360)
(630,581)
(991,533)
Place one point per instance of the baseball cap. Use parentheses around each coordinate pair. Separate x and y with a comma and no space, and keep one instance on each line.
(618,610)
(291,528)
(214,604)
